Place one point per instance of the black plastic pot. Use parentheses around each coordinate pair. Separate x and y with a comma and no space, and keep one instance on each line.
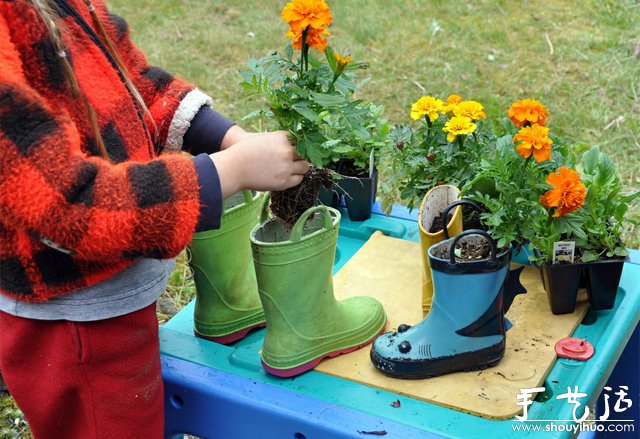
(602,280)
(358,194)
(561,282)
(329,197)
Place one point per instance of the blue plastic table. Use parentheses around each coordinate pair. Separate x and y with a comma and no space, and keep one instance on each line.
(217,391)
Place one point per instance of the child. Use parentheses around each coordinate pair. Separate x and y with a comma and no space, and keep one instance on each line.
(95,200)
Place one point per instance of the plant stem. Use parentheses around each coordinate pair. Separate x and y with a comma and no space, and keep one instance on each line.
(303,53)
(524,168)
(335,78)
(426,117)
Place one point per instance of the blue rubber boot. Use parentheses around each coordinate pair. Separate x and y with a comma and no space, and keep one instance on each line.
(465,329)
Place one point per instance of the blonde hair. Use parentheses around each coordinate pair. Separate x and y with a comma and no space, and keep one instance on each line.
(50,17)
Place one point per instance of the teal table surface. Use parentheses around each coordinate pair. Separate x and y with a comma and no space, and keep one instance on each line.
(608,331)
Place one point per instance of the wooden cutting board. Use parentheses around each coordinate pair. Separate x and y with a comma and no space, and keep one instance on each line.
(389,269)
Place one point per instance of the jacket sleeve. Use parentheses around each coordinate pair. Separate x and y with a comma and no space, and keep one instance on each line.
(88,207)
(172,102)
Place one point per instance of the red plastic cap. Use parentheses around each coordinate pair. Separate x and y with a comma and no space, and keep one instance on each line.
(574,349)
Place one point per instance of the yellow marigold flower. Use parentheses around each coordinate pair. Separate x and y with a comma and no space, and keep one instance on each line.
(315,39)
(471,109)
(342,60)
(568,192)
(527,112)
(458,125)
(452,101)
(303,14)
(534,140)
(426,106)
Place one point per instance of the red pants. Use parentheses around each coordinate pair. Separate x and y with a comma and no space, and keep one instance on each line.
(85,380)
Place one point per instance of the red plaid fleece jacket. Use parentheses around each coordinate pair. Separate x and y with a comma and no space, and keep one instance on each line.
(68,218)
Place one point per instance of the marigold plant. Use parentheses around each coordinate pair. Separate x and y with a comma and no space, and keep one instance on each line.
(427,106)
(314,98)
(458,126)
(528,111)
(534,140)
(447,146)
(307,15)
(509,184)
(568,192)
(450,104)
(471,109)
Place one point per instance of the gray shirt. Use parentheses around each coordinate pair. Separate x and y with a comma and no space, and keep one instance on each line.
(130,290)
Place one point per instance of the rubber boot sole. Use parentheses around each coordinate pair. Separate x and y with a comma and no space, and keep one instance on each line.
(428,368)
(286,373)
(232,337)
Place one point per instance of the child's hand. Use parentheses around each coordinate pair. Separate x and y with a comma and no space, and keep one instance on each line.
(233,136)
(265,161)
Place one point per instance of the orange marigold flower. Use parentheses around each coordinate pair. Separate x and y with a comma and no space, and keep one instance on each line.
(315,39)
(426,106)
(342,60)
(303,14)
(450,104)
(458,125)
(528,111)
(471,109)
(534,140)
(568,192)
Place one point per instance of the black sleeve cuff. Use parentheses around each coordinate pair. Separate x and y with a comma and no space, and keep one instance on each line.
(210,193)
(206,132)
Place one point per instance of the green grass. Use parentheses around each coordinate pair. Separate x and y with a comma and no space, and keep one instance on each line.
(580,58)
(12,422)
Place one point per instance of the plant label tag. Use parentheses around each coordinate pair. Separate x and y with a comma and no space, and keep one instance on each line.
(563,252)
(371,164)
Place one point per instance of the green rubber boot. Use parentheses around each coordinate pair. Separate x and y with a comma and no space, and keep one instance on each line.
(305,323)
(227,302)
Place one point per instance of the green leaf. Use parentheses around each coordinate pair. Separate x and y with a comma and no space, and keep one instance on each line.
(303,109)
(301,147)
(253,114)
(363,82)
(571,225)
(590,159)
(504,143)
(333,142)
(590,256)
(288,52)
(620,251)
(629,198)
(331,60)
(360,65)
(315,154)
(327,100)
(342,149)
(295,88)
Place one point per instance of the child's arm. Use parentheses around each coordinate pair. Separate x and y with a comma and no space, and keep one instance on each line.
(88,207)
(175,106)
